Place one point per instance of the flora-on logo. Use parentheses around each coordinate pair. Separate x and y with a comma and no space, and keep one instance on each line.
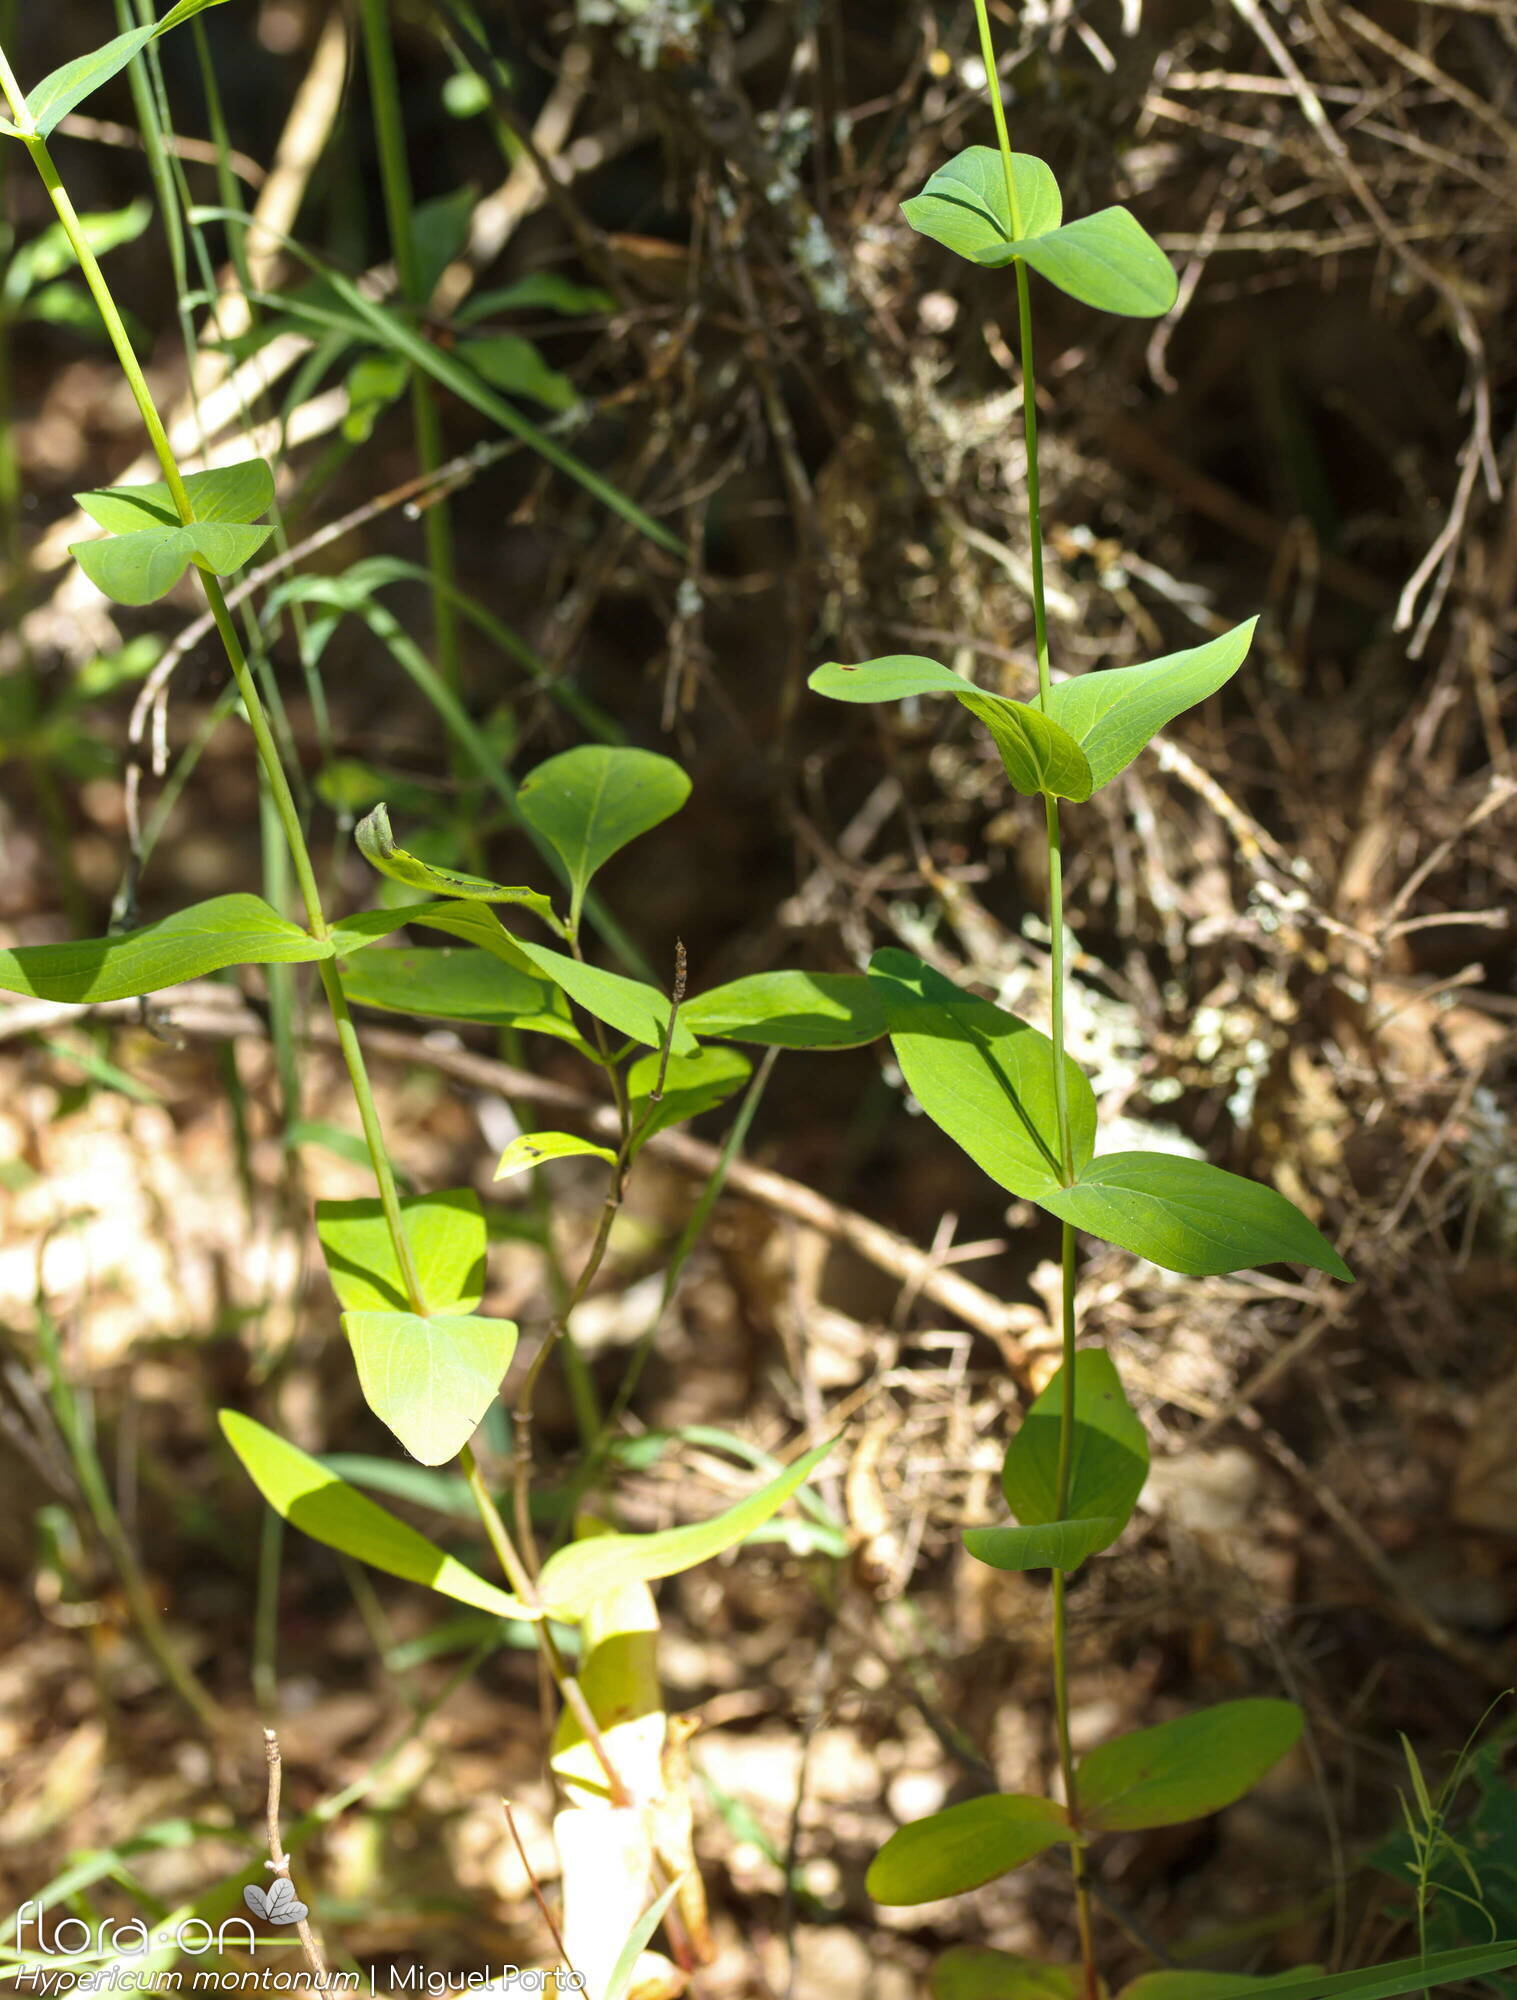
(278,1903)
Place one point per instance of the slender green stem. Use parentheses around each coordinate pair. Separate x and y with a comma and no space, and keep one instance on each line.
(281,796)
(283,802)
(395,177)
(1056,986)
(1034,497)
(998,112)
(521,1581)
(1060,1623)
(1056,1006)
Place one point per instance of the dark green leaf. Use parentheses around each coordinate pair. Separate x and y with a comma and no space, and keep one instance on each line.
(1108,1451)
(983,1076)
(790,1010)
(1113,714)
(975,1972)
(508,362)
(589,803)
(439,232)
(538,291)
(965,207)
(430,1380)
(377,845)
(446,1233)
(310,1497)
(1197,1986)
(58,93)
(1057,1545)
(1186,1768)
(578,1577)
(458,985)
(963,1846)
(227,930)
(1190,1217)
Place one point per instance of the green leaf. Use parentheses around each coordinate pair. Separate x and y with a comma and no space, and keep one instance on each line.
(508,362)
(542,291)
(310,1497)
(1056,1545)
(1387,1982)
(1108,1452)
(692,1084)
(391,329)
(981,1075)
(620,1981)
(630,1006)
(439,233)
(139,568)
(894,678)
(49,254)
(1189,1216)
(976,1972)
(1039,755)
(452,985)
(373,383)
(1113,714)
(1197,1986)
(577,1577)
(790,1010)
(377,845)
(1107,260)
(227,493)
(536,1149)
(1186,1768)
(365,927)
(589,803)
(448,1238)
(227,930)
(431,1380)
(964,205)
(58,93)
(963,1846)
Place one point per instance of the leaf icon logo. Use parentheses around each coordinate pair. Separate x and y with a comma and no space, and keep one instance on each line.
(279,1903)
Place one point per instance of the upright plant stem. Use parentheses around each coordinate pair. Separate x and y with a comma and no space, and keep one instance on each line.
(283,802)
(1056,1006)
(281,796)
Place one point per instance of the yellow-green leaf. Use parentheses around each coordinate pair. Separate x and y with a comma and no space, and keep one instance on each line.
(310,1497)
